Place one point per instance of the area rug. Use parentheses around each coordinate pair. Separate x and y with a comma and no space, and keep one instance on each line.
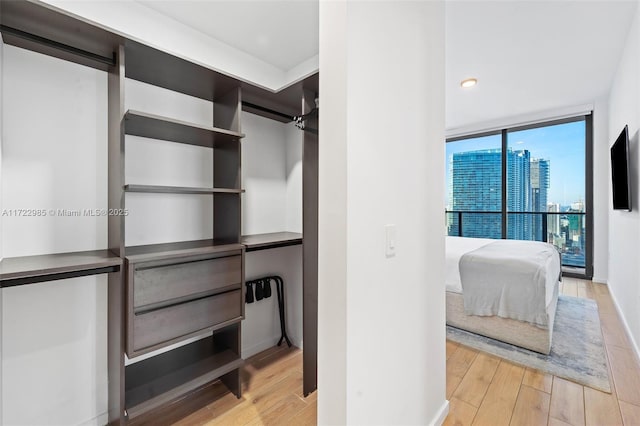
(577,348)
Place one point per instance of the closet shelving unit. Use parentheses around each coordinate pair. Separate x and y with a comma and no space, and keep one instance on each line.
(178,290)
(146,310)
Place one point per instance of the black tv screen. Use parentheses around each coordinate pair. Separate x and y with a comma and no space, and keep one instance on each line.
(620,171)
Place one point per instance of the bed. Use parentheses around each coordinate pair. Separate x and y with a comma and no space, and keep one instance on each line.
(503,289)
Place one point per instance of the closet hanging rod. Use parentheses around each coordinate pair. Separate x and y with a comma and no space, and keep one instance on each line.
(57,45)
(267,110)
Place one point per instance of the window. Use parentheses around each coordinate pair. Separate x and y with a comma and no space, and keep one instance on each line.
(528,183)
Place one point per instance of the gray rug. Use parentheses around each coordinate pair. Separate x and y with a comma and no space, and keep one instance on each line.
(577,349)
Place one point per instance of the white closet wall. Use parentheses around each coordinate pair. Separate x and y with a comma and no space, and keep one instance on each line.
(54,157)
(273,192)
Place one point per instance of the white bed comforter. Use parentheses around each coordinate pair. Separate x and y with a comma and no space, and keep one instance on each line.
(509,278)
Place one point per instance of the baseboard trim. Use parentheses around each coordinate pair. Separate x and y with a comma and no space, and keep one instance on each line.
(438,420)
(627,330)
(599,280)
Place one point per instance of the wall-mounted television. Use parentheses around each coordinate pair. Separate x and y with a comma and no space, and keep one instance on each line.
(620,171)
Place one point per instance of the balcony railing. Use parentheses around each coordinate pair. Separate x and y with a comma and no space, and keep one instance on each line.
(565,230)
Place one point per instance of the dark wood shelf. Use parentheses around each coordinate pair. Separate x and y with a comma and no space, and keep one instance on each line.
(271,240)
(158,68)
(34,269)
(159,380)
(179,249)
(157,127)
(179,189)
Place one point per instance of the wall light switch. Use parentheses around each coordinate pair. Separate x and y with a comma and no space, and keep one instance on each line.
(390,240)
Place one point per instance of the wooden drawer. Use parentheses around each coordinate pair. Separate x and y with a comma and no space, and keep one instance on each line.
(155,328)
(155,284)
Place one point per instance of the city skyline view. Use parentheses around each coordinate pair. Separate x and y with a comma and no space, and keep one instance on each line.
(545,174)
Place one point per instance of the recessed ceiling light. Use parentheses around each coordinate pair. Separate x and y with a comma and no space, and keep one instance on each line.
(469,82)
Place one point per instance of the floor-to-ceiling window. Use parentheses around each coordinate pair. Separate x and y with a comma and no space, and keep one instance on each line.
(526,183)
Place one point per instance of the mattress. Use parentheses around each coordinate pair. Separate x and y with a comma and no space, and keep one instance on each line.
(508,330)
(456,247)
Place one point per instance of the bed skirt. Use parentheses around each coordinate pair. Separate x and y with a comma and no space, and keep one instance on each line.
(511,331)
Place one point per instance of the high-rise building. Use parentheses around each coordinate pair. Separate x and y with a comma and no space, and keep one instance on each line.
(476,185)
(539,191)
(553,221)
(518,194)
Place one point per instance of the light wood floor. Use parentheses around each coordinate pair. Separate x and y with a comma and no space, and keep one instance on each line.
(482,389)
(485,390)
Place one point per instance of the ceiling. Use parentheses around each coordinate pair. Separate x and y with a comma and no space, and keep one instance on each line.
(528,56)
(281,33)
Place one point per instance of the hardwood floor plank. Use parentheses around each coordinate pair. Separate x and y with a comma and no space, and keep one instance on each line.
(584,290)
(567,402)
(589,291)
(498,404)
(457,367)
(261,400)
(307,416)
(570,288)
(284,409)
(556,422)
(532,407)
(626,374)
(253,377)
(601,409)
(613,331)
(630,414)
(537,380)
(451,348)
(477,379)
(460,413)
(601,289)
(605,303)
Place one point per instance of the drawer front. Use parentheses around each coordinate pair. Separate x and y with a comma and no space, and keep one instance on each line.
(160,283)
(163,325)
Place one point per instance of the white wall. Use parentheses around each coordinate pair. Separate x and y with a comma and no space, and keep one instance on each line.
(601,185)
(158,218)
(54,157)
(271,176)
(294,144)
(261,327)
(381,320)
(624,227)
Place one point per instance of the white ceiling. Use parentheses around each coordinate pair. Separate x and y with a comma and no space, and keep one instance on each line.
(281,33)
(529,56)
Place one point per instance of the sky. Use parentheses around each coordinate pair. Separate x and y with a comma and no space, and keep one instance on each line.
(563,145)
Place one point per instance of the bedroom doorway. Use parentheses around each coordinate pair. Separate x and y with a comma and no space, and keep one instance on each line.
(530,182)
